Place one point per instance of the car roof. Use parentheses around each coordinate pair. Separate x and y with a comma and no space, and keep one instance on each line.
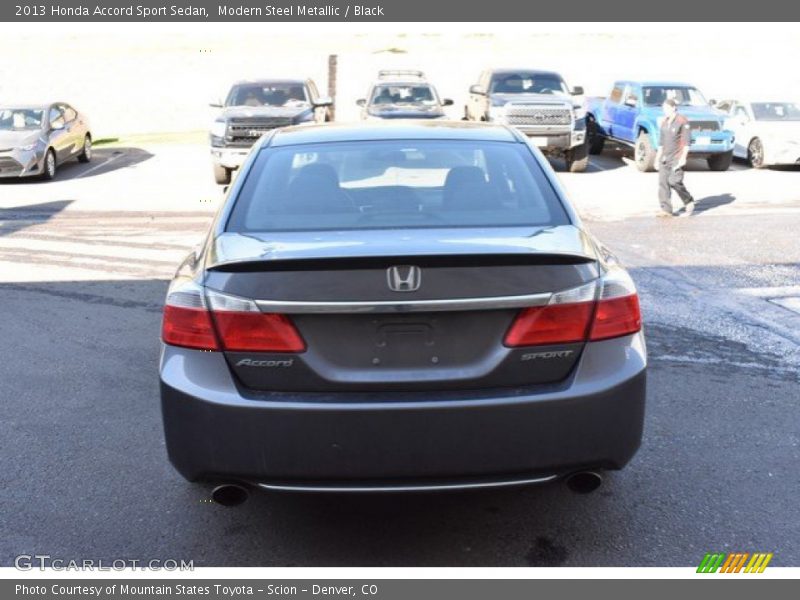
(391,130)
(507,71)
(414,82)
(656,82)
(267,80)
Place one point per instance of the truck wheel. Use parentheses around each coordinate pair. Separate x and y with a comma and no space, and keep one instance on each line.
(755,154)
(577,158)
(221,174)
(596,142)
(720,162)
(643,153)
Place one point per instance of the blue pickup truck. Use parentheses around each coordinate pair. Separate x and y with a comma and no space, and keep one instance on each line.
(631,116)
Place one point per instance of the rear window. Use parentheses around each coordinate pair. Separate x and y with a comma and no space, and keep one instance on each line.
(395,184)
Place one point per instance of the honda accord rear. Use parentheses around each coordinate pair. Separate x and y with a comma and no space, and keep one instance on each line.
(405,306)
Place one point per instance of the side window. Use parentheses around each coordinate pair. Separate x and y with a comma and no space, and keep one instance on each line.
(616,94)
(56,117)
(69,113)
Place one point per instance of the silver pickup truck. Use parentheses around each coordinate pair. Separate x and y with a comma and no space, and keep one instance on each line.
(540,105)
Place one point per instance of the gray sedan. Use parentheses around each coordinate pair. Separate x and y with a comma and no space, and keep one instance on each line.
(36,139)
(400,307)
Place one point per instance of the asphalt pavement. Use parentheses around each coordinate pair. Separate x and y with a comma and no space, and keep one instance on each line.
(84,264)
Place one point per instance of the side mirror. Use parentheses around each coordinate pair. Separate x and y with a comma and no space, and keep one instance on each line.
(323,101)
(57,125)
(476,89)
(361,102)
(447,102)
(217,104)
(577,90)
(630,101)
(712,102)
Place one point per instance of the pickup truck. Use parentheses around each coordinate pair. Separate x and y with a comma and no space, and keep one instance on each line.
(540,105)
(631,116)
(254,107)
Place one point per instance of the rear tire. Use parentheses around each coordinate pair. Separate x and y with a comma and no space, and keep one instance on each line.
(596,141)
(86,154)
(577,158)
(643,153)
(49,165)
(755,154)
(222,175)
(720,162)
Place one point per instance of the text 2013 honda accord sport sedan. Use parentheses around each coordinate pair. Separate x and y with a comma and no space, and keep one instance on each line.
(400,307)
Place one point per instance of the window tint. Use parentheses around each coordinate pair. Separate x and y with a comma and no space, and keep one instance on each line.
(268,94)
(776,111)
(527,83)
(402,94)
(684,96)
(20,118)
(395,184)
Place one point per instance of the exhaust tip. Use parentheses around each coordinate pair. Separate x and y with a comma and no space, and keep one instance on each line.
(584,482)
(229,494)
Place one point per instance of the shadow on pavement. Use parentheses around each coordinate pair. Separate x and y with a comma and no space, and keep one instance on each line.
(712,202)
(17,218)
(104,160)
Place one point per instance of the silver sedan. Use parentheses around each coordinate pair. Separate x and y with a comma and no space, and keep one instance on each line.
(36,139)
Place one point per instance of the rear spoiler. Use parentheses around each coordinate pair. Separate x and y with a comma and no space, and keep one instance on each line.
(254,265)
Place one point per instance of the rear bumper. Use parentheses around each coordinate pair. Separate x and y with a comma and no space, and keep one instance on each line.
(295,441)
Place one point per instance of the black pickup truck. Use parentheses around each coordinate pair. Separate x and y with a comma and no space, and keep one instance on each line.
(254,107)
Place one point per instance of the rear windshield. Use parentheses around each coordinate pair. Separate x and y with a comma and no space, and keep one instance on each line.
(395,184)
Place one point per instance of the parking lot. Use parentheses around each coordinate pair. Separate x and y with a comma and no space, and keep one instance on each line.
(84,262)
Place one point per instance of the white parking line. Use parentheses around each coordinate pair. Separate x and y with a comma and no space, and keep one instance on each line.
(102,164)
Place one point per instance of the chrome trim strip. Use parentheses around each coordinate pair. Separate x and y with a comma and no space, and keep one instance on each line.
(403,306)
(403,488)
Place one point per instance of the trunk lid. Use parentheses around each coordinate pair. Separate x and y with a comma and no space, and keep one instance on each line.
(364,331)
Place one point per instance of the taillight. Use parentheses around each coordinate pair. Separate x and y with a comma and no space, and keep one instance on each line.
(208,320)
(617,311)
(242,327)
(577,315)
(187,321)
(564,320)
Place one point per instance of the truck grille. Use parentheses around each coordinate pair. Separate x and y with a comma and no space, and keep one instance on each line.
(704,125)
(247,131)
(537,114)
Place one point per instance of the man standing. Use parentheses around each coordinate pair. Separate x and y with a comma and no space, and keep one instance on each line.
(671,158)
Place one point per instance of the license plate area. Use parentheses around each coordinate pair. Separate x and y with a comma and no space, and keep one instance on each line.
(703,140)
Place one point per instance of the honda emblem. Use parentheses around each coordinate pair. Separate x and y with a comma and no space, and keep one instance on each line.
(404,278)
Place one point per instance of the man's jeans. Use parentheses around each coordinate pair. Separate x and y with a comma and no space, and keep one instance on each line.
(670,178)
